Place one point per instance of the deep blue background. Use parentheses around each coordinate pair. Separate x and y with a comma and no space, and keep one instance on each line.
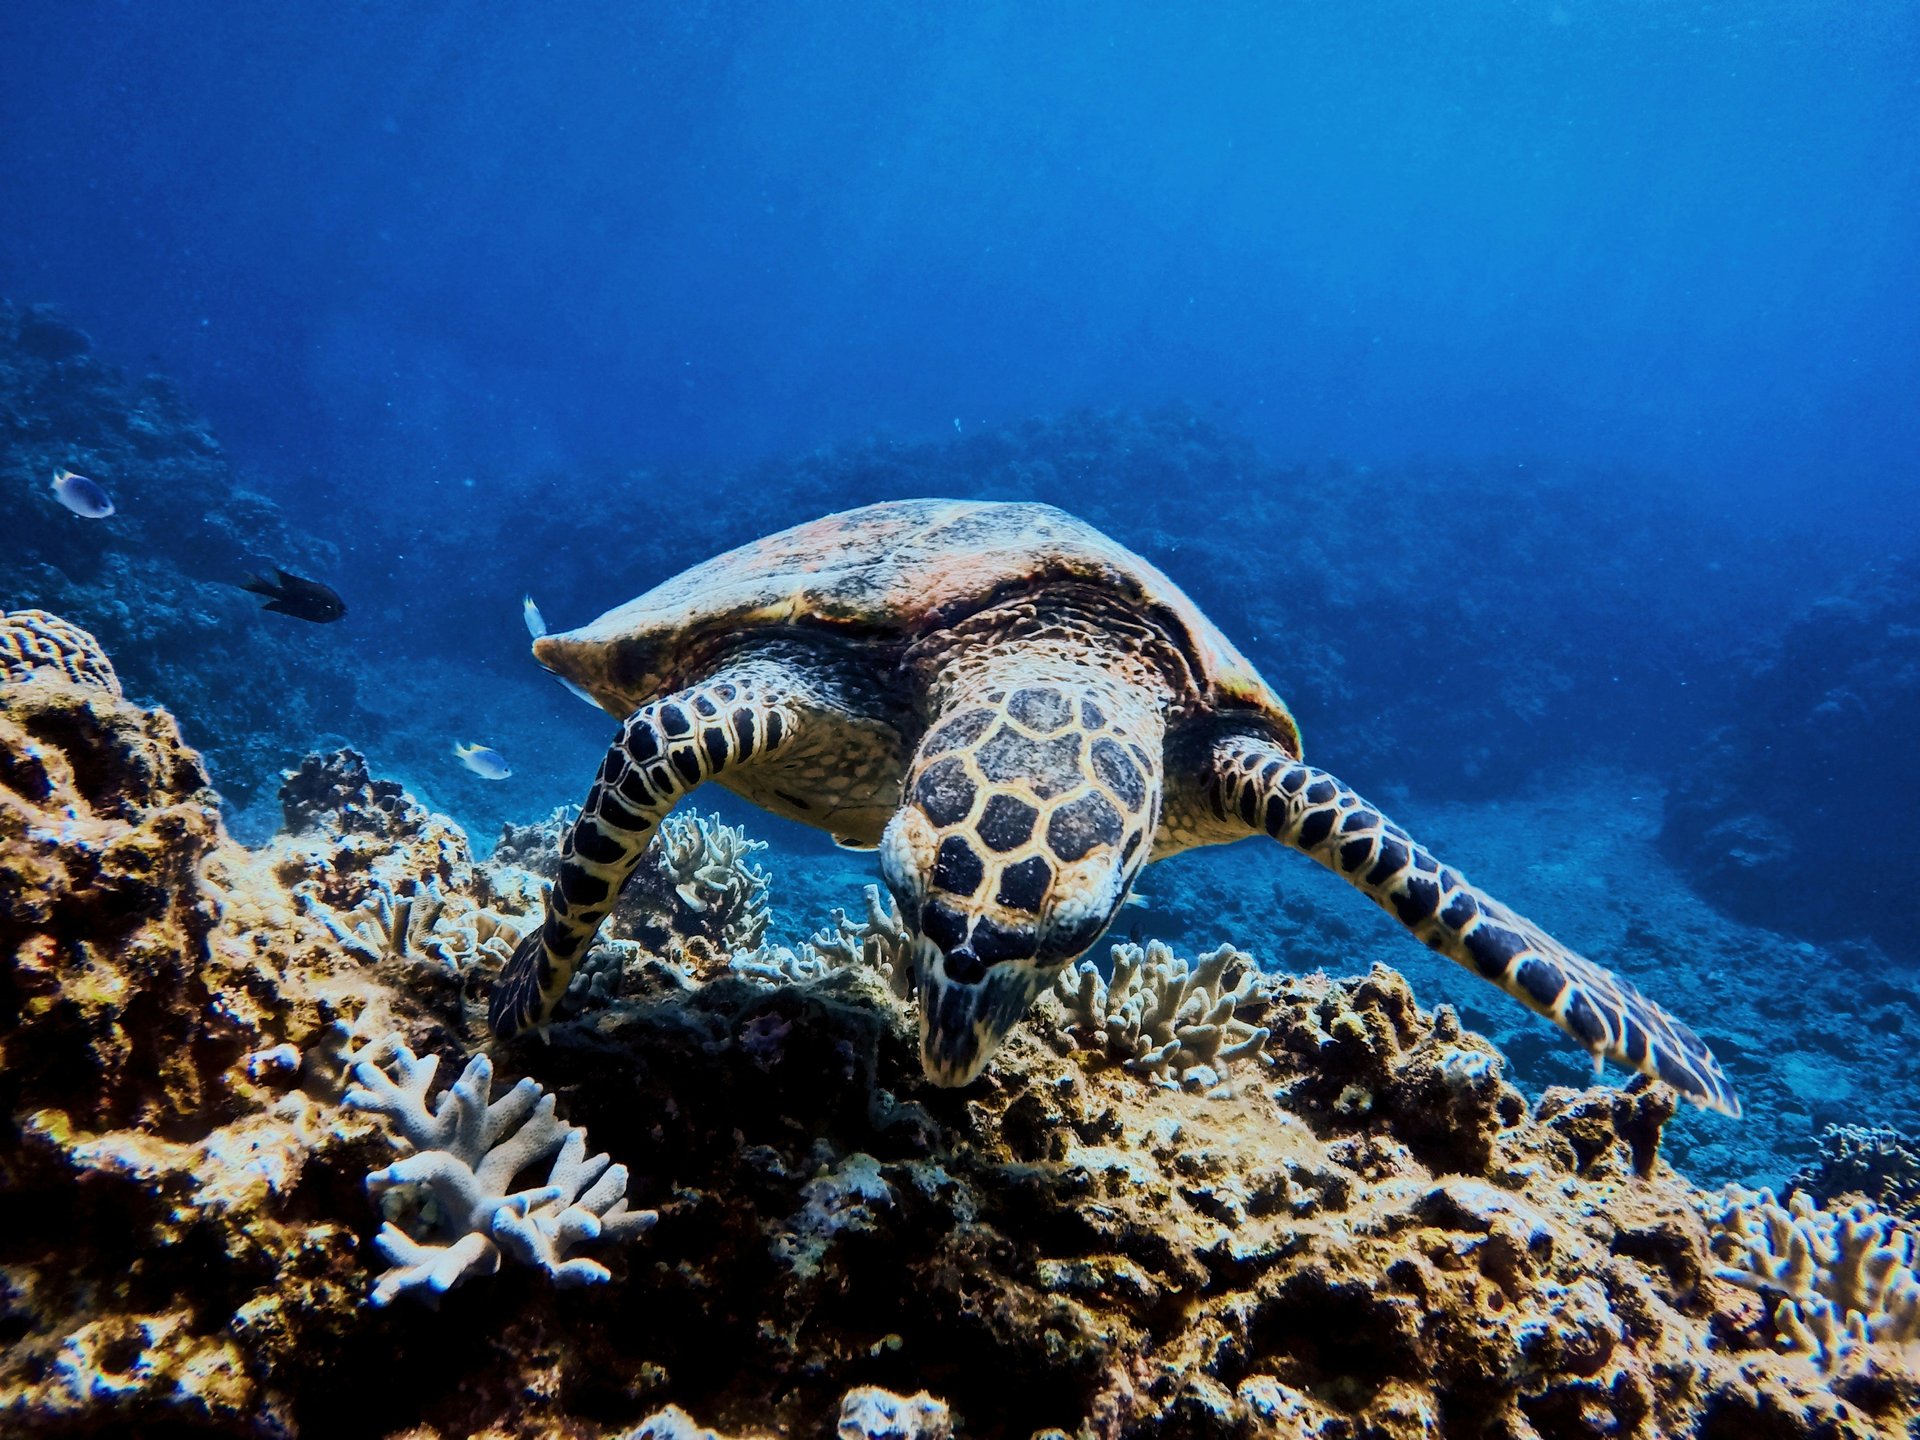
(391,245)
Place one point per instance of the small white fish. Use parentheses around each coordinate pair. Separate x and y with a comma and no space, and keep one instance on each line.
(81,496)
(487,764)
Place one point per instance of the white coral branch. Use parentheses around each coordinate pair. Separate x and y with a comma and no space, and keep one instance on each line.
(467,1151)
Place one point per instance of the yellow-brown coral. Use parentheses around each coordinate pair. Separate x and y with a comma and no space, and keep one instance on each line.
(34,644)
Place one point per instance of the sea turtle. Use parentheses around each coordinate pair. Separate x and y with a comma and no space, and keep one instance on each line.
(1019,713)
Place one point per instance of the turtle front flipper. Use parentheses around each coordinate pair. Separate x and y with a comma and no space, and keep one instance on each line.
(1270,790)
(750,713)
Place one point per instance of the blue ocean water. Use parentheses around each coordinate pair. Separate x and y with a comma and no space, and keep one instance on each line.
(1528,388)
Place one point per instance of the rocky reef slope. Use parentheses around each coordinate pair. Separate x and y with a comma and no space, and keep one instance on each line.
(157,581)
(242,1198)
(1798,811)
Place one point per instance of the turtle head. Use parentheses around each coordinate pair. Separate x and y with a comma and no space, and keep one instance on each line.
(1026,813)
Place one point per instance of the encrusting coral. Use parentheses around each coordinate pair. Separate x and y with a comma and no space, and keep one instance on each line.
(1369,1234)
(454,1190)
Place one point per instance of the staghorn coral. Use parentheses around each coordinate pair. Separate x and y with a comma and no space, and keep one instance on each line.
(34,644)
(1161,1016)
(453,1192)
(1847,1283)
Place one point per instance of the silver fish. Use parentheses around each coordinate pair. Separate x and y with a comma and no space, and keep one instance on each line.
(81,496)
(487,763)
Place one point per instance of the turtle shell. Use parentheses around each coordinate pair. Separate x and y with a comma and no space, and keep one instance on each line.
(885,575)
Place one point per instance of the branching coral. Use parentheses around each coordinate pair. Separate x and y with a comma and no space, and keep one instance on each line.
(1846,1281)
(1162,1017)
(1876,1161)
(455,1191)
(881,940)
(425,924)
(33,642)
(708,865)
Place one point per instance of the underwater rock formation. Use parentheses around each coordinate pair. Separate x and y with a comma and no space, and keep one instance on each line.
(1817,740)
(1367,1232)
(1876,1162)
(155,582)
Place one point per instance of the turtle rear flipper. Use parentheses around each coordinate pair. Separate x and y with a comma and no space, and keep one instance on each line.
(1270,790)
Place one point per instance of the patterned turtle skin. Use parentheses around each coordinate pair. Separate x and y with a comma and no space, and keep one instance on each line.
(1019,714)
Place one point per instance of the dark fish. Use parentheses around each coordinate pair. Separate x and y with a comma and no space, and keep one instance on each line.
(302,599)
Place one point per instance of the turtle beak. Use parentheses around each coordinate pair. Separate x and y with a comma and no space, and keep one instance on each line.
(962,1024)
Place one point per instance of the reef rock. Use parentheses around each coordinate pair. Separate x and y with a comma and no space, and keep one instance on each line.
(1359,1228)
(1817,741)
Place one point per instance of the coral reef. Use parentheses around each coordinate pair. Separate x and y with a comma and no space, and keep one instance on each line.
(1161,1016)
(1369,1233)
(878,942)
(449,1207)
(1816,733)
(154,581)
(1846,1282)
(1877,1162)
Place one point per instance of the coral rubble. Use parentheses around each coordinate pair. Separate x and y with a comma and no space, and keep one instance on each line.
(1368,1233)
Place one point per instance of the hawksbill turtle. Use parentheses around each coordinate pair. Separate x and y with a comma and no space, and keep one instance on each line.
(1019,714)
